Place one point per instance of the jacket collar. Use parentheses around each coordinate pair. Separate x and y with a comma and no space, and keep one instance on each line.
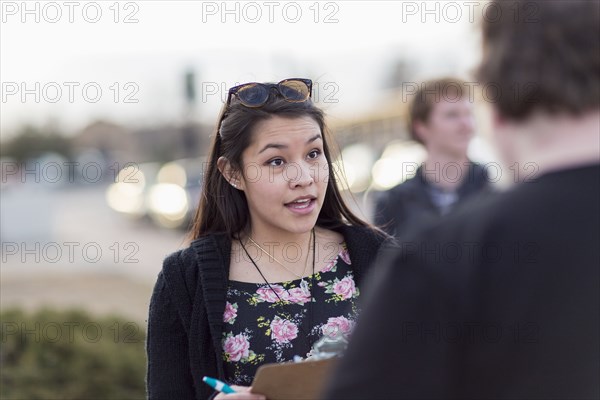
(474,179)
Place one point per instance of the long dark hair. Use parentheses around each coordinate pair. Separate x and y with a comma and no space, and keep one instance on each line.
(223,208)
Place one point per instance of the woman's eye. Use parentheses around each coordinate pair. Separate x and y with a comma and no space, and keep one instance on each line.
(277,162)
(314,154)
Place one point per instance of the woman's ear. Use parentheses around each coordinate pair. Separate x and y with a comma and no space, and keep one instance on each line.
(229,173)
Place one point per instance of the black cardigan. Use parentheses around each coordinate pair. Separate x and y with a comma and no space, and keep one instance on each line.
(185,320)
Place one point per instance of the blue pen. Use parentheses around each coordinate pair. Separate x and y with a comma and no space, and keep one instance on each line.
(218,385)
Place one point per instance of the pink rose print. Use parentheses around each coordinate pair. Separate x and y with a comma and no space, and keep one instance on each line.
(345,255)
(283,330)
(299,295)
(345,288)
(268,295)
(236,347)
(329,266)
(230,313)
(337,324)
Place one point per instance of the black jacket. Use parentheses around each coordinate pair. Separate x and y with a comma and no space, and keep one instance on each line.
(406,208)
(186,312)
(501,301)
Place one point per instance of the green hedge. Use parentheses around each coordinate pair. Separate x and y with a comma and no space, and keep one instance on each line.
(70,355)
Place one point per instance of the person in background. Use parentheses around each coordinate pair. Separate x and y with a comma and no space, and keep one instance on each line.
(276,259)
(441,119)
(502,300)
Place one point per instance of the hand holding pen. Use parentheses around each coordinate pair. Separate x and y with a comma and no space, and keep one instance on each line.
(231,392)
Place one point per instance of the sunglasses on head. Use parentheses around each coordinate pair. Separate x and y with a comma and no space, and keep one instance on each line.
(253,94)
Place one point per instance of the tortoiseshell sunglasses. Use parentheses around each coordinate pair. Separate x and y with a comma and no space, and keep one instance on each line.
(254,94)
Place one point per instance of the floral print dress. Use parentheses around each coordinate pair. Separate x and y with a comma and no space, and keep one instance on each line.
(261,327)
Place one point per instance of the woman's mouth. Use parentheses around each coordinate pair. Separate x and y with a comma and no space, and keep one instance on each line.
(302,206)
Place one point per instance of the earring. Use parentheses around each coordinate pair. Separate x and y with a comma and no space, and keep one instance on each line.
(234,185)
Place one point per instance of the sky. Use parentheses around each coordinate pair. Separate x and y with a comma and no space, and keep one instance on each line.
(74,62)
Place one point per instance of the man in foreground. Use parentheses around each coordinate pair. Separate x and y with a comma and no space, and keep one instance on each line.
(502,300)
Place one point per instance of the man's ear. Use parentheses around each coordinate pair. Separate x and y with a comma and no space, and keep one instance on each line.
(420,131)
(229,173)
(498,121)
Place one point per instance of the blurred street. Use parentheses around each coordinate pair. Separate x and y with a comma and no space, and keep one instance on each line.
(69,226)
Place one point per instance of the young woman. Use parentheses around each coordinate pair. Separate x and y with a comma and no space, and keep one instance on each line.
(276,258)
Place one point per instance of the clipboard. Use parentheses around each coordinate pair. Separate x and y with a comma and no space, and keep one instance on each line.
(293,381)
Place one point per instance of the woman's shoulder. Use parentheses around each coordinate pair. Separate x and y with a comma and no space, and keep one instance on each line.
(179,259)
(200,253)
(179,268)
